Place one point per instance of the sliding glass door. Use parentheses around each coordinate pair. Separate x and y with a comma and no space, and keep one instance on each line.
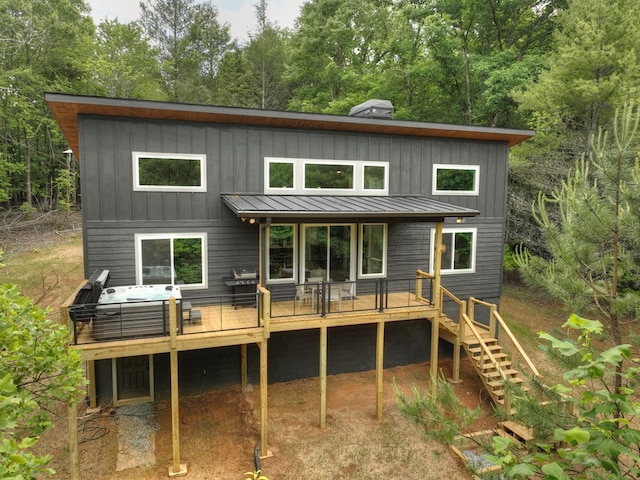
(328,252)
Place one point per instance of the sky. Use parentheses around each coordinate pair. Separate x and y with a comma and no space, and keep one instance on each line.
(240,14)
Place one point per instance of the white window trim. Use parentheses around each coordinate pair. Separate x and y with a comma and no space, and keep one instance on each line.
(294,279)
(450,271)
(139,237)
(361,252)
(441,166)
(299,165)
(168,188)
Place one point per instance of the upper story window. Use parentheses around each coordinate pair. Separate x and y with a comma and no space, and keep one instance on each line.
(169,172)
(320,177)
(456,179)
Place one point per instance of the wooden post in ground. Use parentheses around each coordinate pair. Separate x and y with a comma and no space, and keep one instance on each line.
(379,369)
(323,376)
(435,323)
(177,469)
(243,367)
(263,399)
(74,458)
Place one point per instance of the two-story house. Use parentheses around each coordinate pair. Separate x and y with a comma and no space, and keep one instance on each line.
(341,242)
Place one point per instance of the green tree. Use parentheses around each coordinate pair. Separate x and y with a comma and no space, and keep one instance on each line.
(592,70)
(594,252)
(44,45)
(596,435)
(266,56)
(190,42)
(37,371)
(333,54)
(125,64)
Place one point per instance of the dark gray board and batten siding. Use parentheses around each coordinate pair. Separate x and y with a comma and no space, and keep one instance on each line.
(235,154)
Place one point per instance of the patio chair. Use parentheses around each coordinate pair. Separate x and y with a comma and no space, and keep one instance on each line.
(303,295)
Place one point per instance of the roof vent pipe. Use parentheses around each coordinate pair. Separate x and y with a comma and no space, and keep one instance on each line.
(382,109)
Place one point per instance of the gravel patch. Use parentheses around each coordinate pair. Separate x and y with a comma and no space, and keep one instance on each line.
(136,436)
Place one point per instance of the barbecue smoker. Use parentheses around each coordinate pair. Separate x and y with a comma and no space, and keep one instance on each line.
(243,283)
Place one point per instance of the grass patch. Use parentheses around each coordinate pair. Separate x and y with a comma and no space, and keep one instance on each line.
(48,275)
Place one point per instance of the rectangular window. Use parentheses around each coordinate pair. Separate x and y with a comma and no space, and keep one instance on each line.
(375,177)
(459,254)
(281,175)
(177,172)
(456,179)
(328,176)
(321,177)
(282,253)
(178,259)
(373,250)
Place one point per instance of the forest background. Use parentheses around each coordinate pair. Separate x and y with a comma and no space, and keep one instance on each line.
(560,67)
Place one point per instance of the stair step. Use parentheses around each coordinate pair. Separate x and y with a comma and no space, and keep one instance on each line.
(509,373)
(500,356)
(479,349)
(489,365)
(499,383)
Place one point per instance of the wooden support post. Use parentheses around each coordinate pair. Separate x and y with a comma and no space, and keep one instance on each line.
(263,399)
(323,376)
(91,383)
(435,323)
(379,369)
(74,457)
(243,367)
(177,469)
(457,345)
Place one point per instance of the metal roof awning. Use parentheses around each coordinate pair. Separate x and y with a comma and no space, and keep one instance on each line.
(321,207)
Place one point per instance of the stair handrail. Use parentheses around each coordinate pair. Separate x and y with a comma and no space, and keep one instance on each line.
(483,345)
(486,351)
(496,317)
(516,344)
(462,306)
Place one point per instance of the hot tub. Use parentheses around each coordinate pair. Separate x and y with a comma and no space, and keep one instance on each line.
(135,311)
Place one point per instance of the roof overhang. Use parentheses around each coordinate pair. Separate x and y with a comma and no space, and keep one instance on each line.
(327,207)
(68,108)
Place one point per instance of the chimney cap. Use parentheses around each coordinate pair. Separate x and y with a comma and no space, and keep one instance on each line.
(373,109)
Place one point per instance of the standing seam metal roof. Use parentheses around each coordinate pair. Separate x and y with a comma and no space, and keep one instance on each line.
(325,206)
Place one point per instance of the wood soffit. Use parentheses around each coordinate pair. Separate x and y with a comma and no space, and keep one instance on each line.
(67,109)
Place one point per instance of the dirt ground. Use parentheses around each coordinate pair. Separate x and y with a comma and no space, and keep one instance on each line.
(219,433)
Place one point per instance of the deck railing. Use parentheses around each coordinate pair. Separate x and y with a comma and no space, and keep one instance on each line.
(92,323)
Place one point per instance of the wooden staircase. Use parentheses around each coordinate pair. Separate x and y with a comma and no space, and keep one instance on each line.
(491,362)
(493,365)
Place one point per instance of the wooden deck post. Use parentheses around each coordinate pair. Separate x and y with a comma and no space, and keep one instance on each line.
(435,323)
(379,369)
(243,367)
(74,457)
(177,469)
(458,344)
(323,376)
(263,398)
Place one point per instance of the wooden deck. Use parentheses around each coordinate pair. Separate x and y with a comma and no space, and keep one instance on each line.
(224,325)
